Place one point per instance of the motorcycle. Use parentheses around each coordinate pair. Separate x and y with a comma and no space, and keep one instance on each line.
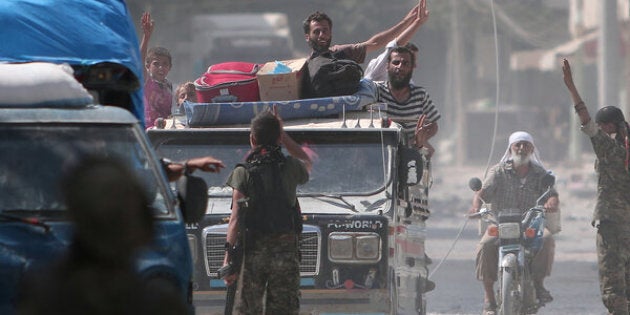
(520,238)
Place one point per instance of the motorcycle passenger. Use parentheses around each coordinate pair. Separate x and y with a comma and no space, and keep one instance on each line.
(609,138)
(514,183)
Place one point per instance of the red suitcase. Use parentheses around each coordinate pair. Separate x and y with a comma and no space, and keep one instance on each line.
(228,82)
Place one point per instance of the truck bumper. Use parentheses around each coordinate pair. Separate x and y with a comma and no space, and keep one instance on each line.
(313,302)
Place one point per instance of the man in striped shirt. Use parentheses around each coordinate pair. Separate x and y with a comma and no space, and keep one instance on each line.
(408,104)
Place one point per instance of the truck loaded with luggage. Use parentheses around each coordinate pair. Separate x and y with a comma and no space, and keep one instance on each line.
(362,244)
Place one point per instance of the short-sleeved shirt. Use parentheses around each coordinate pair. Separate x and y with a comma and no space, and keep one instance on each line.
(158,101)
(355,52)
(294,173)
(613,183)
(504,189)
(417,104)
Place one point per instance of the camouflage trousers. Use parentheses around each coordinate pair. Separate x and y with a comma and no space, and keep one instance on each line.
(269,282)
(613,256)
(487,261)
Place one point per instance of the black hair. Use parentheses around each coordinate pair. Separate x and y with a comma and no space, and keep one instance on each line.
(110,207)
(158,51)
(403,50)
(609,114)
(318,17)
(412,47)
(266,128)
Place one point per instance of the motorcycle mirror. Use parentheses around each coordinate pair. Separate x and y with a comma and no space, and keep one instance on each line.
(475,184)
(548,180)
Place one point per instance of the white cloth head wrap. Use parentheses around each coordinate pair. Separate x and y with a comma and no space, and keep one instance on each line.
(517,137)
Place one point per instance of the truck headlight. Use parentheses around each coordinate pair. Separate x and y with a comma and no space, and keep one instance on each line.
(354,247)
(367,246)
(340,246)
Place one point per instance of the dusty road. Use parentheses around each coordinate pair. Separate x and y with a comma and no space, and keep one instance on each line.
(573,282)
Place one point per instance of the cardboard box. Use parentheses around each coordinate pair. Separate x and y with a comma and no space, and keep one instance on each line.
(281,86)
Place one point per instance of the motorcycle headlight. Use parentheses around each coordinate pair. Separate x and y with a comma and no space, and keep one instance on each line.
(509,230)
(354,247)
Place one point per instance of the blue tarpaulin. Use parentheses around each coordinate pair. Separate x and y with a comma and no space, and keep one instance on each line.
(77,32)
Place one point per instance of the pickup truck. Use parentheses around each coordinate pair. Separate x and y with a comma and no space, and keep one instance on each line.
(364,208)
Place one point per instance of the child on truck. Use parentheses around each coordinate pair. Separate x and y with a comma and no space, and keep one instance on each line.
(158,90)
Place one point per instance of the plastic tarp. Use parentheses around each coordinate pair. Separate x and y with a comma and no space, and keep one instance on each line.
(77,32)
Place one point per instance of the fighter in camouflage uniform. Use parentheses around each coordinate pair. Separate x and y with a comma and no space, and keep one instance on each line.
(264,201)
(612,210)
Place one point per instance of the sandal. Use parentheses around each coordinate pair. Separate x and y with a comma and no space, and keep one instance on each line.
(489,308)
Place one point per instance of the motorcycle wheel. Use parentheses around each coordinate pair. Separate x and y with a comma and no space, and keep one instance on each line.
(509,291)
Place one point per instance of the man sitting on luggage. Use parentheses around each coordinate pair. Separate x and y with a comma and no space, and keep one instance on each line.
(334,70)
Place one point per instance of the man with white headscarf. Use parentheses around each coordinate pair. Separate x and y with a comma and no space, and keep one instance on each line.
(514,183)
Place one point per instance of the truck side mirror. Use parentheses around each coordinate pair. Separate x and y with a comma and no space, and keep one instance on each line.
(411,167)
(192,192)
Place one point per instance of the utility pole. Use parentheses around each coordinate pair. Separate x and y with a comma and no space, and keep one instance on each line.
(577,67)
(608,55)
(456,96)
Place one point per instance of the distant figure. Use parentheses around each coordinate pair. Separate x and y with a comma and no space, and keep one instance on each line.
(158,90)
(185,92)
(514,183)
(113,220)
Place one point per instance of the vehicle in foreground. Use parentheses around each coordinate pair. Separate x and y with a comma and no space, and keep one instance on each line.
(97,38)
(42,134)
(362,245)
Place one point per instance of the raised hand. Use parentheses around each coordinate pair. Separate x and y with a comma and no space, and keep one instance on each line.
(147,24)
(423,131)
(568,76)
(423,13)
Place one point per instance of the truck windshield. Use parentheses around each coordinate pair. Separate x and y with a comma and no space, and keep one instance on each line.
(35,159)
(357,167)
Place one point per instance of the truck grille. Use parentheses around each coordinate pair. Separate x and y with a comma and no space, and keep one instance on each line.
(310,242)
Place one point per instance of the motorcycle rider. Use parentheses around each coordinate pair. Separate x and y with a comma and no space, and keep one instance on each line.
(514,183)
